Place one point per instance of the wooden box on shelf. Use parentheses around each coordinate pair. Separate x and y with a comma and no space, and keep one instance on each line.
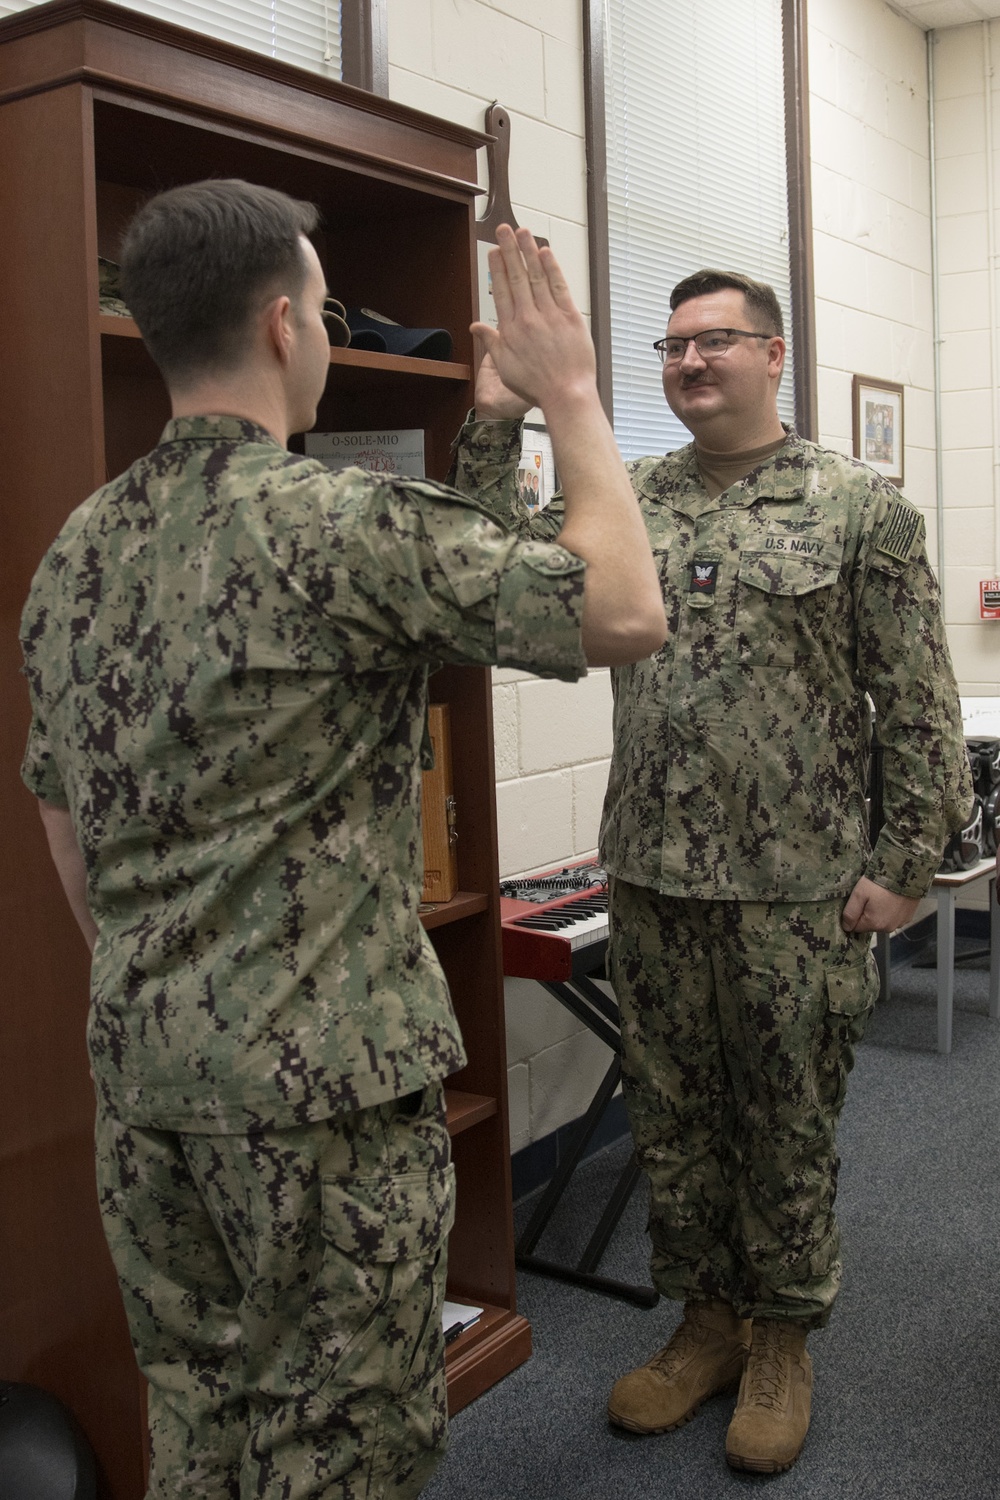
(100,106)
(439,811)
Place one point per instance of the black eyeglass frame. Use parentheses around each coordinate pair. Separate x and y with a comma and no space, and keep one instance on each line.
(692,338)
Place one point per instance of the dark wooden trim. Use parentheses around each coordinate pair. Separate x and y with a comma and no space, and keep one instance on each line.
(597,196)
(364,45)
(91,28)
(800,231)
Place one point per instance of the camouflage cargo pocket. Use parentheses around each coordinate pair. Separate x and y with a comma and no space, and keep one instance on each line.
(851,992)
(374,1298)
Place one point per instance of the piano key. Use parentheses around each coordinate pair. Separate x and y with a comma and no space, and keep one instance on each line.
(563,935)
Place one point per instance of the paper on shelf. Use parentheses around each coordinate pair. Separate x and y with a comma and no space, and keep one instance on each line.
(379,450)
(457,1316)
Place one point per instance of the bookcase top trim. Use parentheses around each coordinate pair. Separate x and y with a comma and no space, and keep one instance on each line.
(95,15)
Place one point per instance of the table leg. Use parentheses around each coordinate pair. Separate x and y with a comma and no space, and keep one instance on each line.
(945,964)
(994,952)
(883,963)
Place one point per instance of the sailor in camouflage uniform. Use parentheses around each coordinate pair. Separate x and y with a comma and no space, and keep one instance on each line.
(744,890)
(227,649)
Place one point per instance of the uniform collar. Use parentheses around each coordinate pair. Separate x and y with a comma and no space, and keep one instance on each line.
(675,480)
(214,429)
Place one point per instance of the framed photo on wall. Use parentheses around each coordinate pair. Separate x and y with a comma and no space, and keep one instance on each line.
(878,426)
(537,481)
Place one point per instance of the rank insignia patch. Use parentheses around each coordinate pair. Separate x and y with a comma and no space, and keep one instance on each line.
(898,531)
(703,577)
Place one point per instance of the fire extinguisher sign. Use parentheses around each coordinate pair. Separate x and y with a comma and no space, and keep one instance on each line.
(989,599)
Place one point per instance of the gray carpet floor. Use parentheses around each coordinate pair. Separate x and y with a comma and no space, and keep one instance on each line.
(907,1375)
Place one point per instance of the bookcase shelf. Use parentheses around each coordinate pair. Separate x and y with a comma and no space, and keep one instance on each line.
(112,326)
(462,904)
(400,364)
(99,107)
(466,1110)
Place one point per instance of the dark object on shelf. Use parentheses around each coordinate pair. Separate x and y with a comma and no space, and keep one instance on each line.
(336,326)
(373,330)
(109,288)
(43,1453)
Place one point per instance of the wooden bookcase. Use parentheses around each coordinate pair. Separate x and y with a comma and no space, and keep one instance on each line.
(99,107)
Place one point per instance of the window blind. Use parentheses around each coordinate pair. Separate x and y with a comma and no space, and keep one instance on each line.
(303,32)
(695,129)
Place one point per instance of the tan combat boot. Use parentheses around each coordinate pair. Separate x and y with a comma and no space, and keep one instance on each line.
(771,1419)
(703,1358)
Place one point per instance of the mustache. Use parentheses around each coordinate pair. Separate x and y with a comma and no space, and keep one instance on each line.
(687,381)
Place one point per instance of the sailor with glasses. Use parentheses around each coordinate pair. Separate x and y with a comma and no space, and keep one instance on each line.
(744,887)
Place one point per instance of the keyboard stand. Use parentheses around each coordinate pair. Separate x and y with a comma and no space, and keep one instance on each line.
(585,1000)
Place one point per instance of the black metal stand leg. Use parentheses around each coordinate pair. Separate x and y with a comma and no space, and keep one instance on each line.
(616,1205)
(558,1182)
(589,1004)
(641,1296)
(577,1005)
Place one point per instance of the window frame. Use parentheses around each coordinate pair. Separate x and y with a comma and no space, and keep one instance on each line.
(364,45)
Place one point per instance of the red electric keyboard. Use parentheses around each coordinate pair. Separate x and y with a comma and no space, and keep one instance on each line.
(555,926)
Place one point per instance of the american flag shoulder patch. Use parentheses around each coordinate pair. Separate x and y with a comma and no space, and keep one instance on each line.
(897,531)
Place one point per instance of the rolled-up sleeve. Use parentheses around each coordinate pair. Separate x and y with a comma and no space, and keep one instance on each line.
(422,567)
(539,611)
(39,771)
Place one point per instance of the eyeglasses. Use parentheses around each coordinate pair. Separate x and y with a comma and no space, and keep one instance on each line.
(711,344)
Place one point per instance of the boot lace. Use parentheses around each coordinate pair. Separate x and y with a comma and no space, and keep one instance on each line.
(686,1337)
(768,1368)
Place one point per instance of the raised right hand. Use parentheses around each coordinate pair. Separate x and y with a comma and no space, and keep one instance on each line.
(541,347)
(494,402)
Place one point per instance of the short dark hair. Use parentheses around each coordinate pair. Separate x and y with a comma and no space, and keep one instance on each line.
(198,261)
(762,304)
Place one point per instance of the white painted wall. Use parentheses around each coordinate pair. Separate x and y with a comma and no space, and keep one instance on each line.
(872,239)
(870,140)
(871,223)
(869,115)
(968,188)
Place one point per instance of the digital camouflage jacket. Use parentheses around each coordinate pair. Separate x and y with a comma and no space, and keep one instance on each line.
(741,749)
(227,649)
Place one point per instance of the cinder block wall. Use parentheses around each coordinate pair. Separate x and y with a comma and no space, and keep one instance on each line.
(967,104)
(871,223)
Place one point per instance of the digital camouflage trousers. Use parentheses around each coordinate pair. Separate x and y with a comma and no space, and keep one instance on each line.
(284,1292)
(739,1023)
